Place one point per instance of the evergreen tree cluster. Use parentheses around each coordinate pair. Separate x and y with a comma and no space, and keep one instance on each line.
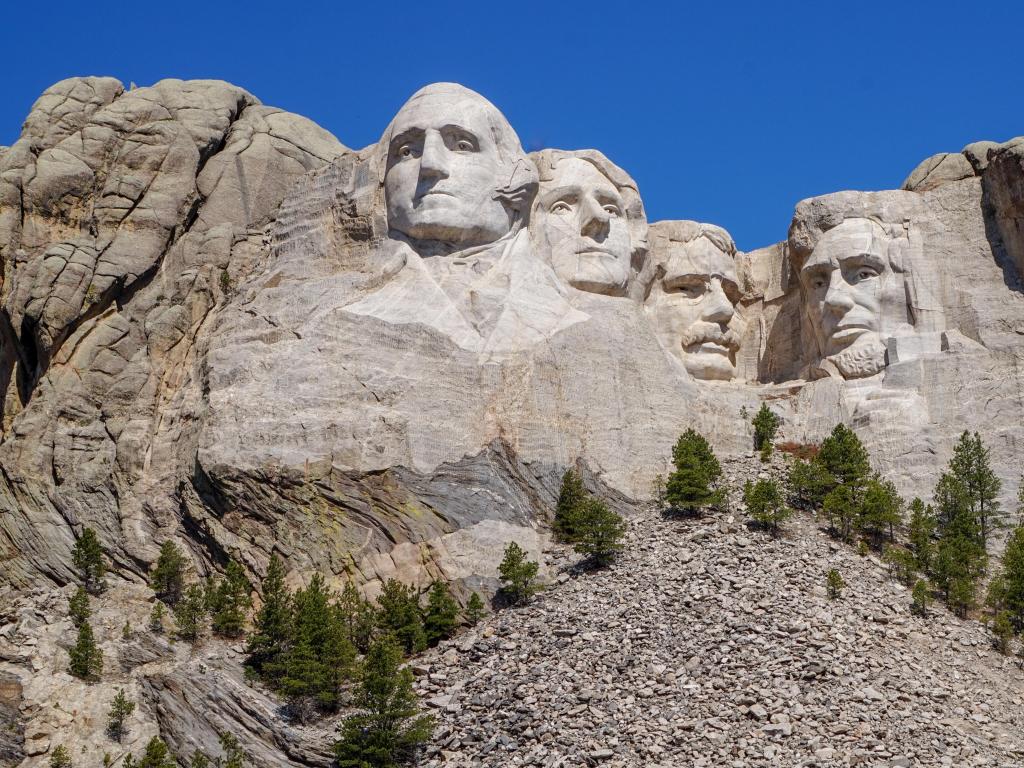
(594,529)
(305,644)
(838,481)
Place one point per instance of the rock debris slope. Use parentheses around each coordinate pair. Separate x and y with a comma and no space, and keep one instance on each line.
(708,644)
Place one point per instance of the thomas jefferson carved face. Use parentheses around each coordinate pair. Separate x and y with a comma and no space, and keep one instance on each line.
(692,303)
(581,216)
(853,298)
(445,164)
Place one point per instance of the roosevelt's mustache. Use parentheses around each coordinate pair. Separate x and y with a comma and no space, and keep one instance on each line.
(699,333)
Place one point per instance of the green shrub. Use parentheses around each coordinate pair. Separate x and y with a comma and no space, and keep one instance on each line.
(518,574)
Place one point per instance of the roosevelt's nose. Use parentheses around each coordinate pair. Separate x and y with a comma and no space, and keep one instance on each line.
(434,160)
(716,307)
(594,219)
(837,297)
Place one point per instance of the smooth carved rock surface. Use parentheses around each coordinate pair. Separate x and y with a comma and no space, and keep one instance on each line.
(222,326)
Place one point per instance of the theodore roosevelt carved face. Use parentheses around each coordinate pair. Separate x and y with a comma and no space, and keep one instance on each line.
(455,174)
(693,298)
(587,220)
(853,298)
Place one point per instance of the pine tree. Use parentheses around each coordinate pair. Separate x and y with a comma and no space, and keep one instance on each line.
(919,596)
(970,465)
(844,457)
(156,618)
(960,558)
(518,573)
(233,756)
(765,504)
(599,532)
(441,616)
(156,755)
(357,616)
(880,510)
(842,509)
(1011,577)
(120,710)
(902,564)
(60,758)
(190,614)
(693,485)
(809,482)
(920,532)
(87,557)
(474,609)
(1002,631)
(228,600)
(86,658)
(766,424)
(399,613)
(387,729)
(570,496)
(168,577)
(834,584)
(319,658)
(272,629)
(78,607)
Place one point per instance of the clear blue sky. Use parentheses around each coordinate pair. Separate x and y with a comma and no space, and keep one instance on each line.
(723,112)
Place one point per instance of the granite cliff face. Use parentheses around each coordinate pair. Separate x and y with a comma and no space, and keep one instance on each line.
(221,326)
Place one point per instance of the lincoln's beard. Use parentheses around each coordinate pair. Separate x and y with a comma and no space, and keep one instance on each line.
(865,357)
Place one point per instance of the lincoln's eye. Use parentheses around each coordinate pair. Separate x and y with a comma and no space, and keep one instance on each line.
(819,283)
(561,207)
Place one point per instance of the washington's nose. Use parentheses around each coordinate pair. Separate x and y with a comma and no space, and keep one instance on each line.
(595,219)
(434,160)
(716,307)
(837,297)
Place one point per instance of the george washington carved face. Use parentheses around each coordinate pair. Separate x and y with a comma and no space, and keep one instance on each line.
(451,157)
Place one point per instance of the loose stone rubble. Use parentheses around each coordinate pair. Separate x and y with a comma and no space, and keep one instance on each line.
(709,644)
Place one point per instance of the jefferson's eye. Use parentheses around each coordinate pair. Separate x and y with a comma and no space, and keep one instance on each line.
(561,207)
(691,289)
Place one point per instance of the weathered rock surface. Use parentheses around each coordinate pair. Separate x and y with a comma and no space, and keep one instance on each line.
(220,325)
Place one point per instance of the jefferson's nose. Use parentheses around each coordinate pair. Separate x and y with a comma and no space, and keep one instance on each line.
(595,218)
(716,307)
(434,160)
(837,297)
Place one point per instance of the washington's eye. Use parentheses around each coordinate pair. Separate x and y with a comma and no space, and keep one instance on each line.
(464,145)
(405,151)
(561,207)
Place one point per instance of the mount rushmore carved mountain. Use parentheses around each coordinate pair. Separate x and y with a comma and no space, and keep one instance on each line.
(220,326)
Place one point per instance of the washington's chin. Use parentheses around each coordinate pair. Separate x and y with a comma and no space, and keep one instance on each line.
(449,227)
(708,361)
